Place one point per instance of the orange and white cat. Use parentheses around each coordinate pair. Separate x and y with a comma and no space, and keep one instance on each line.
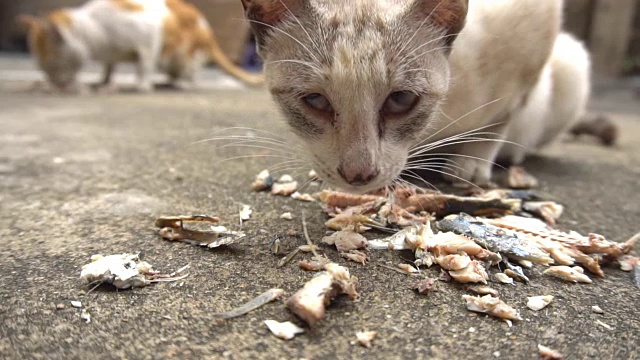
(167,35)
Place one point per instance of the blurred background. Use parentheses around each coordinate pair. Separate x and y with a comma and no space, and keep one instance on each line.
(611,29)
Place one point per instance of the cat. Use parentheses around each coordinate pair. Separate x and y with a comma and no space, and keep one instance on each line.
(169,35)
(379,88)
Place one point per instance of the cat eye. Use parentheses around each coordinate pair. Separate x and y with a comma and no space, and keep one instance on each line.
(318,102)
(399,103)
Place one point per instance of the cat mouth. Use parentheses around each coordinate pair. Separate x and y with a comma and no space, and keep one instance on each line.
(374,186)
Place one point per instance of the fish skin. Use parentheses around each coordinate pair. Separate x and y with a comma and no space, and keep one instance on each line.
(494,238)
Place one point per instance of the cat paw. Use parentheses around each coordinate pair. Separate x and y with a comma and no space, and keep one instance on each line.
(106,89)
(145,87)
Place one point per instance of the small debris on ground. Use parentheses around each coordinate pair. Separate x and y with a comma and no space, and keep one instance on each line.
(245,213)
(365,338)
(547,353)
(84,315)
(302,197)
(264,298)
(606,326)
(425,286)
(284,330)
(597,309)
(537,303)
(60,306)
(76,304)
(286,216)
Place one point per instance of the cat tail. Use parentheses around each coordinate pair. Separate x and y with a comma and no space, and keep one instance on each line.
(218,56)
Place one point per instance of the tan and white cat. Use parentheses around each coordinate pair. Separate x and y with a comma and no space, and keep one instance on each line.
(370,86)
(170,35)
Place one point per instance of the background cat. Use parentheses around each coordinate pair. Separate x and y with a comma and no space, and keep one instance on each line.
(170,35)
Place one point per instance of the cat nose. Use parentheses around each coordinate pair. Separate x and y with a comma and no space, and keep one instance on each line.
(358,176)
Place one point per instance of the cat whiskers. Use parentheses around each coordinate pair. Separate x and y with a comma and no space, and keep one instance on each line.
(313,42)
(406,56)
(419,27)
(290,154)
(463,116)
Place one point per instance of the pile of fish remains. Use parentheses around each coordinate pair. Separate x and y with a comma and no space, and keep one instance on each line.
(465,236)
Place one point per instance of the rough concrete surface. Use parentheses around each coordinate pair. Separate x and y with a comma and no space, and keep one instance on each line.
(84,175)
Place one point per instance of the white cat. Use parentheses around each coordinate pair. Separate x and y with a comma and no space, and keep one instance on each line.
(169,34)
(372,85)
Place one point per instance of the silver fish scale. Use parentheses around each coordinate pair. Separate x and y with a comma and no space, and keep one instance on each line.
(494,238)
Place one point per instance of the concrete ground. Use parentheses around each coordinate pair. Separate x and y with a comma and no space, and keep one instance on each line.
(88,175)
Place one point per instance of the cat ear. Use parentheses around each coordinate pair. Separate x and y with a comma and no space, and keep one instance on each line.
(447,14)
(270,12)
(266,14)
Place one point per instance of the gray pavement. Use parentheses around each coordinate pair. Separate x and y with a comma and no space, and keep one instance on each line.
(84,175)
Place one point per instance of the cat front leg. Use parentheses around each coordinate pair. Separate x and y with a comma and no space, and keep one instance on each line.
(473,160)
(146,68)
(106,86)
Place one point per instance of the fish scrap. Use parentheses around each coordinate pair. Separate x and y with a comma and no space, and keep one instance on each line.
(262,299)
(547,353)
(574,274)
(443,204)
(284,189)
(124,271)
(483,290)
(263,181)
(316,263)
(537,303)
(503,278)
(302,197)
(284,330)
(346,240)
(549,211)
(172,229)
(309,302)
(494,238)
(491,305)
(473,273)
(356,256)
(535,230)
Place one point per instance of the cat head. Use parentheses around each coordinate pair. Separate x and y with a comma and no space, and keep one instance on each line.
(358,81)
(55,56)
